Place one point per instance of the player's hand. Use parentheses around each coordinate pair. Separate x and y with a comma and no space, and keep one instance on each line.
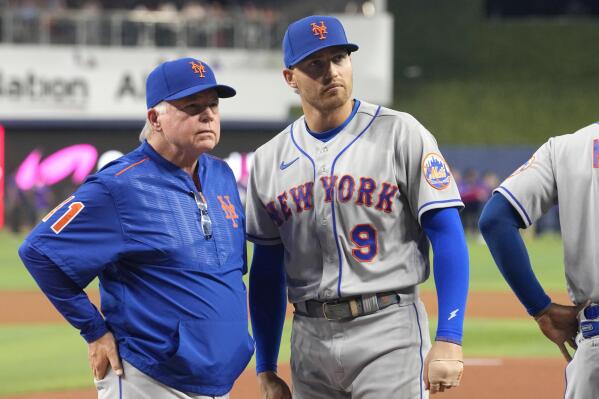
(102,353)
(559,323)
(272,386)
(443,366)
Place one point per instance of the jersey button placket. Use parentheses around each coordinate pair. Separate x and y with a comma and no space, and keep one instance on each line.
(324,218)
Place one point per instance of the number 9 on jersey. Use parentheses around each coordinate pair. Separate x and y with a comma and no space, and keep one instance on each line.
(364,237)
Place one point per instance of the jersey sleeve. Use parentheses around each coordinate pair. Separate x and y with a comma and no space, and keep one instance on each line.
(532,189)
(260,228)
(83,235)
(428,181)
(66,296)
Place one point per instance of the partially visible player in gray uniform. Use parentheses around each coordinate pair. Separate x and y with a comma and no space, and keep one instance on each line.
(564,170)
(338,205)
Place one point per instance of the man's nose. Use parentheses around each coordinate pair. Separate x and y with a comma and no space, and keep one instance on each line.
(207,115)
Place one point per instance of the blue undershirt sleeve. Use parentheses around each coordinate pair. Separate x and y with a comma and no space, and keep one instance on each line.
(68,298)
(499,224)
(268,303)
(451,271)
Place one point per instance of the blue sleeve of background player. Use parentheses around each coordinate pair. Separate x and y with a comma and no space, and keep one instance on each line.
(65,295)
(268,303)
(450,260)
(499,224)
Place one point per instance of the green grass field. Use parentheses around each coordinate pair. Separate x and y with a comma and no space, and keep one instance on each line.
(54,357)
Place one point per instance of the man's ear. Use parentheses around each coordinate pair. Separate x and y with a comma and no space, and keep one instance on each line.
(289,78)
(153,118)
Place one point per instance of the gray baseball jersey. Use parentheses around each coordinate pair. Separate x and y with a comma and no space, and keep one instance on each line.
(348,210)
(565,167)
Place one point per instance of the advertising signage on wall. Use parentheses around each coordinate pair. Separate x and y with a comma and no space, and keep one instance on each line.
(109,83)
(78,161)
(75,161)
(33,87)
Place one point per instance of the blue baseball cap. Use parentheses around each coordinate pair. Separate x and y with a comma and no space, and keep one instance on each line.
(180,78)
(311,34)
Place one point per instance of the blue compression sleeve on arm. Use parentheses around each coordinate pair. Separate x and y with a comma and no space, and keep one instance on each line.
(268,303)
(499,224)
(450,266)
(64,293)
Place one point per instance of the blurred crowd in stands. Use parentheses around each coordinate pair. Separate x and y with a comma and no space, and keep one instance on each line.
(25,208)
(476,188)
(162,23)
(139,23)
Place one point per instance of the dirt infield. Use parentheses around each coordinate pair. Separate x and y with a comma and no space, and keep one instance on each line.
(489,379)
(24,307)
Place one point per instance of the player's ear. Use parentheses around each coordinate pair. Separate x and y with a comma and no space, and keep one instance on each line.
(289,78)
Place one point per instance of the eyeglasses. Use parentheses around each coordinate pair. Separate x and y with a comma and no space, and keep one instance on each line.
(205,221)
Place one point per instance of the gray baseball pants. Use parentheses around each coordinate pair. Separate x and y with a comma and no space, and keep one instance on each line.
(582,373)
(136,385)
(376,356)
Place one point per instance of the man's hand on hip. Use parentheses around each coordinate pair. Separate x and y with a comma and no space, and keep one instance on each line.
(272,386)
(102,353)
(559,323)
(443,366)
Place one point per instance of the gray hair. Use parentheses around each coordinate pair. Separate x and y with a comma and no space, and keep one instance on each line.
(147,130)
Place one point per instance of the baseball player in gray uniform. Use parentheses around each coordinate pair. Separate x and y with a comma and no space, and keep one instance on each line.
(339,207)
(564,170)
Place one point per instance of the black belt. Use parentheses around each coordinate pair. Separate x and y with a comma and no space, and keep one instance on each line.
(347,308)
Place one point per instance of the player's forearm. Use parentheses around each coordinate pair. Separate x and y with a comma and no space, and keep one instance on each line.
(499,224)
(451,270)
(65,295)
(268,304)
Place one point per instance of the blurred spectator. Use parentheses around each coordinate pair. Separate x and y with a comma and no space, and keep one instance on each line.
(92,11)
(43,198)
(474,194)
(26,20)
(20,207)
(549,222)
(490,181)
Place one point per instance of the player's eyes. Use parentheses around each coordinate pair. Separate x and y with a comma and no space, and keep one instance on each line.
(339,57)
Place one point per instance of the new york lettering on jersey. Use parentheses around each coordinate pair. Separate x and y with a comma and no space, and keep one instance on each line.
(367,193)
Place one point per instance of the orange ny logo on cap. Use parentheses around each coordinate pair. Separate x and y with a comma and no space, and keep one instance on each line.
(319,30)
(198,68)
